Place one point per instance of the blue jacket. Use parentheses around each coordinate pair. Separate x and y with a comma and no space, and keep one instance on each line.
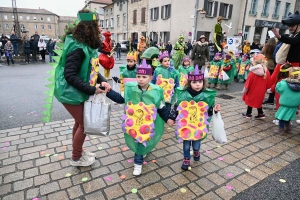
(14,39)
(275,51)
(26,47)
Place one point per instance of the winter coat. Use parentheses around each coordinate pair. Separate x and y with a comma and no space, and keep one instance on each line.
(36,41)
(200,53)
(26,47)
(246,49)
(42,45)
(50,47)
(14,39)
(10,48)
(4,40)
(294,52)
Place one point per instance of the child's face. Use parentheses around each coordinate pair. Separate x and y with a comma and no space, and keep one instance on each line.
(130,63)
(143,80)
(165,62)
(197,85)
(186,63)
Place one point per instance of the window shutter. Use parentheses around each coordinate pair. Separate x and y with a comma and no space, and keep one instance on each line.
(216,9)
(169,11)
(205,4)
(151,14)
(221,9)
(162,12)
(230,11)
(157,12)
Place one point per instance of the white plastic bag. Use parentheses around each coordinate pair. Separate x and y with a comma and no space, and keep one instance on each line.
(218,131)
(206,75)
(225,76)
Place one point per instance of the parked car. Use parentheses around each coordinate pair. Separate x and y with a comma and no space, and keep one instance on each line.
(124,45)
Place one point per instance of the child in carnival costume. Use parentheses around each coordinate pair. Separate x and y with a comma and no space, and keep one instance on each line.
(243,68)
(144,116)
(214,69)
(128,72)
(228,67)
(184,70)
(105,59)
(166,77)
(179,47)
(192,112)
(151,56)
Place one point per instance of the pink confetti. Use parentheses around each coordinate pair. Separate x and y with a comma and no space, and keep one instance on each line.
(86,138)
(220,158)
(108,178)
(35,199)
(6,143)
(144,162)
(207,151)
(228,187)
(229,175)
(129,161)
(3,148)
(35,115)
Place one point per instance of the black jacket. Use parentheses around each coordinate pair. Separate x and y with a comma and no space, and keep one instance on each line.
(116,97)
(294,52)
(4,40)
(14,39)
(72,67)
(169,47)
(26,47)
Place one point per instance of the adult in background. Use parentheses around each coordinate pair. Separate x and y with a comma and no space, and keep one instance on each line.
(268,51)
(74,73)
(189,47)
(34,46)
(42,48)
(169,47)
(15,42)
(218,35)
(180,47)
(118,48)
(211,50)
(26,50)
(200,53)
(254,45)
(9,50)
(3,40)
(50,47)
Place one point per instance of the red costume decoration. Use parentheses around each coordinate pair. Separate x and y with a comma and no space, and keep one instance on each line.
(106,46)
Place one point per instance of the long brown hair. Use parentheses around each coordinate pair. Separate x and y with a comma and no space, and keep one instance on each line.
(269,48)
(87,32)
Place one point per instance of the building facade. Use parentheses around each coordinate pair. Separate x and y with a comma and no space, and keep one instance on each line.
(109,22)
(297,5)
(262,15)
(120,17)
(63,21)
(138,19)
(31,20)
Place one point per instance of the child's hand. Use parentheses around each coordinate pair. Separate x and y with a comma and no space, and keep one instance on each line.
(107,86)
(217,107)
(170,122)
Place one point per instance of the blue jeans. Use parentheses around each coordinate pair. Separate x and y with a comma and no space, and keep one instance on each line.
(16,49)
(50,56)
(187,146)
(138,159)
(282,123)
(11,58)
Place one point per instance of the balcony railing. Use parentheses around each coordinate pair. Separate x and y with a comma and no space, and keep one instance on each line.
(252,13)
(264,14)
(275,16)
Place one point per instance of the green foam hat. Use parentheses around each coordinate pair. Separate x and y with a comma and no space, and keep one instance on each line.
(93,16)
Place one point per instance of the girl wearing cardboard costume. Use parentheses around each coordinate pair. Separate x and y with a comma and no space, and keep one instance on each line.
(214,69)
(184,70)
(192,113)
(243,68)
(229,68)
(145,110)
(179,47)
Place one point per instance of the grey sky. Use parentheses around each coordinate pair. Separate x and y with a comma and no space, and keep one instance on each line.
(59,7)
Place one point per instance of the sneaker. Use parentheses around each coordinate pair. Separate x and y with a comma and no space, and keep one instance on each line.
(260,116)
(298,121)
(186,163)
(247,115)
(276,122)
(84,161)
(137,170)
(196,155)
(88,154)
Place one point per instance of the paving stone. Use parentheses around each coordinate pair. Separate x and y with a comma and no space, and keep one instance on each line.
(32,193)
(195,189)
(99,172)
(77,178)
(25,145)
(216,179)
(169,184)
(114,191)
(59,174)
(177,194)
(15,196)
(61,195)
(129,184)
(30,156)
(149,178)
(20,141)
(4,189)
(7,169)
(93,185)
(25,165)
(49,168)
(75,192)
(210,167)
(152,191)
(42,161)
(29,135)
(36,138)
(237,185)
(209,195)
(205,184)
(165,172)
(48,188)
(11,138)
(65,183)
(45,141)
(132,197)
(21,185)
(96,195)
(32,149)
(11,160)
(27,127)
(224,193)
(248,179)
(115,167)
(42,179)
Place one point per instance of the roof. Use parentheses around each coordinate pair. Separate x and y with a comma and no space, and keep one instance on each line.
(109,6)
(107,2)
(27,10)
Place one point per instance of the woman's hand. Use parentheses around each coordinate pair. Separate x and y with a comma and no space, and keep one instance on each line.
(217,107)
(276,33)
(107,86)
(98,90)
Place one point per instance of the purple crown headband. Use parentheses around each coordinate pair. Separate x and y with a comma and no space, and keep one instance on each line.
(144,69)
(218,54)
(162,55)
(196,76)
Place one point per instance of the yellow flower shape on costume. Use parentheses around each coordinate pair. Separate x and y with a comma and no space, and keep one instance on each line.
(242,69)
(94,72)
(213,72)
(168,87)
(192,120)
(183,79)
(139,121)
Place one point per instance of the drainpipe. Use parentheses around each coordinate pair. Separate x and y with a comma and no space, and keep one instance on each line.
(127,21)
(243,25)
(195,20)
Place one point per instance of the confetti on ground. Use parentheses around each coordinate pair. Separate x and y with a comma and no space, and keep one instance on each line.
(83,149)
(228,187)
(55,155)
(94,137)
(247,170)
(35,115)
(64,147)
(144,162)
(282,180)
(3,148)
(122,177)
(10,116)
(154,161)
(35,199)
(70,131)
(207,151)
(7,143)
(220,158)
(99,148)
(108,178)
(42,152)
(134,190)
(189,168)
(219,146)
(183,190)
(229,175)
(60,157)
(169,128)
(192,153)
(68,175)
(114,148)
(84,179)
(125,148)
(47,155)
(86,138)
(129,161)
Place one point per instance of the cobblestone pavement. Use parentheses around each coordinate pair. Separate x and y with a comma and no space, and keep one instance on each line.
(35,161)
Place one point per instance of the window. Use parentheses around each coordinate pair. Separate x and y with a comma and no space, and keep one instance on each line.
(49,27)
(106,23)
(154,36)
(134,16)
(265,10)
(34,18)
(101,23)
(111,11)
(286,10)
(35,26)
(154,13)
(246,32)
(101,11)
(118,20)
(111,22)
(124,19)
(21,17)
(166,11)
(253,8)
(106,12)
(42,19)
(42,27)
(225,10)
(6,26)
(22,26)
(48,19)
(211,8)
(143,15)
(276,10)
(13,17)
(257,33)
(28,18)
(5,17)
